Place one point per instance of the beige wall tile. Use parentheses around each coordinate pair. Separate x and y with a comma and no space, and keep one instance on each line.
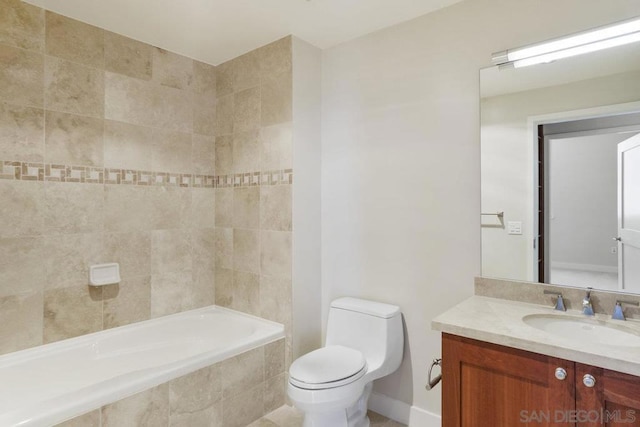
(275,207)
(236,412)
(21,76)
(131,250)
(204,287)
(127,302)
(204,154)
(127,208)
(20,321)
(224,207)
(21,25)
(224,155)
(276,147)
(171,151)
(22,208)
(91,419)
(275,254)
(170,207)
(127,146)
(70,312)
(68,258)
(73,208)
(170,251)
(147,409)
(21,266)
(172,293)
(276,99)
(204,114)
(242,372)
(203,244)
(171,69)
(224,79)
(246,207)
(204,105)
(246,110)
(275,394)
(246,293)
(147,103)
(246,151)
(73,140)
(73,88)
(74,40)
(203,208)
(208,417)
(21,133)
(224,287)
(274,359)
(246,71)
(127,56)
(223,252)
(246,250)
(204,78)
(195,393)
(275,299)
(275,58)
(224,115)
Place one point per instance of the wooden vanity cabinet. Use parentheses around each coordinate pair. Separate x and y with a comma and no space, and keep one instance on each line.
(488,385)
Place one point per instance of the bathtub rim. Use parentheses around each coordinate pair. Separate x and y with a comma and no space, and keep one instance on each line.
(57,409)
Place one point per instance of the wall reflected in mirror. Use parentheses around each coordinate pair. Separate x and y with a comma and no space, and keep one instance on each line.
(561,161)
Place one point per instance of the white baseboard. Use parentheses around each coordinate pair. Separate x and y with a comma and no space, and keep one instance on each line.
(584,267)
(402,412)
(422,418)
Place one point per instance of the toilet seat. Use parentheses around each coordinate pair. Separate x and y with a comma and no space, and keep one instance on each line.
(328,367)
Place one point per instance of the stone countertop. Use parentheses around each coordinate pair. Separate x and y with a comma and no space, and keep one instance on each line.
(499,321)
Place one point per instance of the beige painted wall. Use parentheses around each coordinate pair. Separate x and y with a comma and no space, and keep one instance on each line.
(401,161)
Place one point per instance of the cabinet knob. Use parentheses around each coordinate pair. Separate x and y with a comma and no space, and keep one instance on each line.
(588,380)
(561,374)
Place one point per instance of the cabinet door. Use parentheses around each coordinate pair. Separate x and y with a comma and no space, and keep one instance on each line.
(489,385)
(614,400)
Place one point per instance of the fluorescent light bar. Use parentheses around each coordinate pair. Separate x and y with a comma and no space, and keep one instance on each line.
(578,44)
(578,50)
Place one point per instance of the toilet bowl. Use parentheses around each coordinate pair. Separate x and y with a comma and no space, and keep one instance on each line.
(332,385)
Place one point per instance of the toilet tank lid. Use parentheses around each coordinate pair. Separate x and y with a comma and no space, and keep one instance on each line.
(371,308)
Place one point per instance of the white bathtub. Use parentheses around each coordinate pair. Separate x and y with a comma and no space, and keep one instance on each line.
(45,385)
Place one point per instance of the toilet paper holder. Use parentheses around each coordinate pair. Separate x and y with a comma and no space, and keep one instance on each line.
(432,382)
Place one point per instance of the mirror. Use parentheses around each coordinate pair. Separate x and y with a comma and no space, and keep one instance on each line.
(560,153)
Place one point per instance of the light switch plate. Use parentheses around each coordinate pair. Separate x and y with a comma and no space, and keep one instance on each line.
(514,227)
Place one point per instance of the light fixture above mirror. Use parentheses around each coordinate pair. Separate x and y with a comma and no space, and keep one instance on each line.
(577,44)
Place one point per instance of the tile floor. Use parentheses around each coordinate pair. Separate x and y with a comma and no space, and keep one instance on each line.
(287,416)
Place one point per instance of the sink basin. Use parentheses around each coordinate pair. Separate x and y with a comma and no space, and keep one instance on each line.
(586,330)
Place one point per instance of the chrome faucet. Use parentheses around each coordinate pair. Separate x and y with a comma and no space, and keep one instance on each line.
(587,307)
(618,313)
(559,301)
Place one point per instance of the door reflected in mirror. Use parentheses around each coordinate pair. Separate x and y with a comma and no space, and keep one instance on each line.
(561,160)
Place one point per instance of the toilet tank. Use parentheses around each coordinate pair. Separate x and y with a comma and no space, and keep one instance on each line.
(371,327)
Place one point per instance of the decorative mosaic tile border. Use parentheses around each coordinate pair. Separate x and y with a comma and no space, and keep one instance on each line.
(30,171)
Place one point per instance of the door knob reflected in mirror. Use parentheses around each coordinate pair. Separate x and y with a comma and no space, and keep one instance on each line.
(617,239)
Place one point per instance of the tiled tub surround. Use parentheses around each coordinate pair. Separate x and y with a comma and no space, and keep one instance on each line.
(113,150)
(194,368)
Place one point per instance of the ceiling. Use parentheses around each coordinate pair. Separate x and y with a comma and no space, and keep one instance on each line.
(215,31)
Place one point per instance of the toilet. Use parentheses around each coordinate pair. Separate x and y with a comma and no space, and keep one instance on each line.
(331,385)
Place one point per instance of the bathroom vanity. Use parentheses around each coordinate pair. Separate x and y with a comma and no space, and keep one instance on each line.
(510,363)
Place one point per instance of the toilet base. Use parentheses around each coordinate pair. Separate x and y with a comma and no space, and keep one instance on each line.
(354,416)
